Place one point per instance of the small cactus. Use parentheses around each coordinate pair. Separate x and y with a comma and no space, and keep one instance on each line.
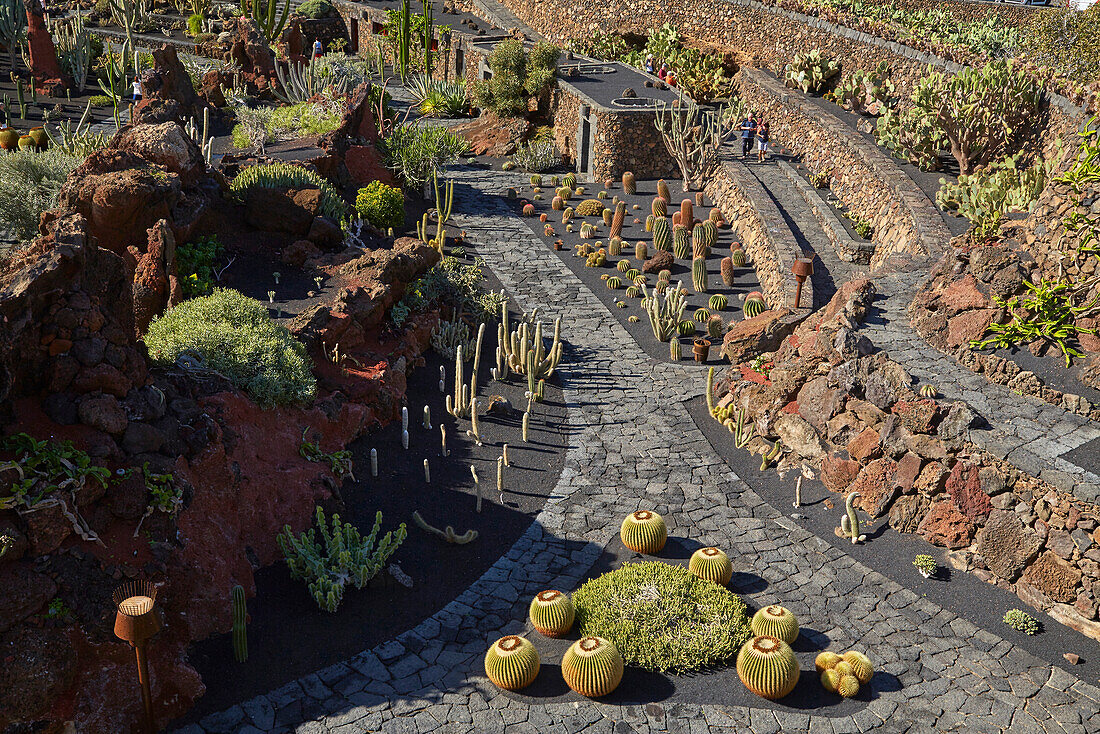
(861,665)
(512,663)
(644,531)
(718,302)
(567,215)
(618,219)
(622,266)
(634,292)
(665,275)
(737,258)
(662,190)
(557,203)
(928,391)
(552,613)
(754,306)
(715,216)
(240,624)
(849,522)
(674,350)
(710,232)
(614,282)
(588,231)
(608,217)
(687,214)
(711,564)
(649,220)
(716,328)
(727,271)
(630,186)
(528,210)
(615,246)
(632,274)
(686,328)
(699,274)
(681,242)
(826,661)
(570,180)
(701,315)
(699,199)
(592,667)
(776,621)
(641,252)
(536,180)
(767,666)
(659,207)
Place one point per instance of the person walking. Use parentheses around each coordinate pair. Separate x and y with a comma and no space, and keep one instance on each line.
(763,137)
(748,134)
(318,49)
(135,91)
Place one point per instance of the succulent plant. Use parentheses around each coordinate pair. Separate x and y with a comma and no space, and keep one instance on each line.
(928,391)
(512,663)
(618,219)
(737,258)
(511,193)
(681,242)
(641,252)
(557,203)
(630,186)
(579,191)
(634,292)
(240,624)
(649,220)
(659,207)
(644,531)
(601,195)
(528,210)
(614,282)
(776,621)
(620,304)
(592,667)
(810,71)
(660,287)
(715,327)
(588,231)
(633,319)
(687,213)
(715,216)
(676,218)
(718,302)
(754,306)
(686,328)
(847,685)
(826,661)
(662,234)
(570,180)
(829,679)
(567,215)
(849,521)
(595,260)
(551,613)
(699,199)
(632,274)
(699,245)
(615,246)
(569,227)
(662,190)
(711,564)
(699,274)
(675,352)
(710,233)
(665,275)
(608,217)
(536,180)
(861,665)
(564,193)
(589,208)
(622,266)
(767,666)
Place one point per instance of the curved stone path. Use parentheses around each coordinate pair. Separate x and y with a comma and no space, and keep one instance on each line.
(632,444)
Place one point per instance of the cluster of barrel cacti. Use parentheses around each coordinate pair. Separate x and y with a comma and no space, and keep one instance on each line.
(845,673)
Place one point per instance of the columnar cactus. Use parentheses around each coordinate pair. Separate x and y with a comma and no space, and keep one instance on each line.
(618,219)
(711,564)
(662,235)
(240,624)
(630,186)
(699,245)
(699,274)
(718,302)
(681,242)
(592,667)
(552,613)
(665,312)
(641,252)
(767,666)
(524,351)
(849,522)
(649,222)
(608,217)
(727,271)
(687,214)
(754,305)
(699,199)
(776,621)
(644,531)
(662,190)
(461,403)
(716,328)
(710,232)
(659,207)
(512,663)
(615,246)
(675,352)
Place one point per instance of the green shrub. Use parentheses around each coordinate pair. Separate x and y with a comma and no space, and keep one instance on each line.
(1066,40)
(1003,186)
(194,24)
(284,176)
(29,184)
(236,337)
(100,100)
(195,263)
(453,283)
(1021,621)
(662,617)
(305,118)
(317,9)
(381,205)
(414,151)
(810,71)
(517,76)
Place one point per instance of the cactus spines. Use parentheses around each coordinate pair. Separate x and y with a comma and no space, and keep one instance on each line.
(567,215)
(861,665)
(632,274)
(536,179)
(771,455)
(699,199)
(826,661)
(557,203)
(662,234)
(737,258)
(711,564)
(849,522)
(622,266)
(681,242)
(776,621)
(592,667)
(240,624)
(847,686)
(641,252)
(767,666)
(644,531)
(829,679)
(662,190)
(570,180)
(716,328)
(649,220)
(588,231)
(630,186)
(528,210)
(551,613)
(617,219)
(512,663)
(715,216)
(699,241)
(659,207)
(608,217)
(754,306)
(686,328)
(928,391)
(448,534)
(675,352)
(459,404)
(700,316)
(634,292)
(526,425)
(615,246)
(687,214)
(614,282)
(710,232)
(727,271)
(374,462)
(718,302)
(699,274)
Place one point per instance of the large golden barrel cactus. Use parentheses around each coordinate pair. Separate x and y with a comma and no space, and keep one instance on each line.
(767,666)
(776,621)
(711,564)
(552,613)
(512,663)
(644,531)
(592,667)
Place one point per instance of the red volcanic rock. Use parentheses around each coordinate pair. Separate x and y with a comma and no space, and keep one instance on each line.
(274,210)
(966,490)
(865,446)
(661,260)
(49,79)
(168,94)
(166,145)
(298,252)
(919,416)
(838,473)
(104,413)
(945,525)
(34,591)
(249,52)
(963,295)
(1054,577)
(755,336)
(156,279)
(365,164)
(969,325)
(101,378)
(876,487)
(492,135)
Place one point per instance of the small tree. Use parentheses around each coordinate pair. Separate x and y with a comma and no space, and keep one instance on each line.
(517,76)
(694,136)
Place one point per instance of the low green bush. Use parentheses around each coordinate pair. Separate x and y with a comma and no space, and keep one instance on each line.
(195,263)
(317,9)
(381,205)
(235,336)
(285,176)
(29,184)
(194,24)
(100,100)
(414,151)
(662,617)
(453,283)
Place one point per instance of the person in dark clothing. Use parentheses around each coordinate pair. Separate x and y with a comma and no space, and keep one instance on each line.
(748,134)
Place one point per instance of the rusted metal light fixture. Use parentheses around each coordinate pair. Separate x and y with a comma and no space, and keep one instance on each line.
(136,622)
(803,268)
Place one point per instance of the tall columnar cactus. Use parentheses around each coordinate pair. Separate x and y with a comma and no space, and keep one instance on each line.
(699,245)
(681,242)
(694,138)
(776,621)
(659,207)
(240,624)
(665,313)
(512,663)
(460,404)
(663,192)
(710,233)
(662,235)
(699,275)
(675,351)
(768,667)
(552,613)
(592,667)
(727,271)
(630,186)
(524,351)
(687,213)
(849,522)
(618,219)
(644,531)
(711,564)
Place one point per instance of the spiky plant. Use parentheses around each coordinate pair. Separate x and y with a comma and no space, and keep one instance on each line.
(662,234)
(622,266)
(528,210)
(662,190)
(698,241)
(737,258)
(767,666)
(715,216)
(630,186)
(614,283)
(608,217)
(675,352)
(644,531)
(569,180)
(716,328)
(686,328)
(776,621)
(588,231)
(727,271)
(754,306)
(928,391)
(618,219)
(681,242)
(861,665)
(711,564)
(634,292)
(687,214)
(512,663)
(592,667)
(632,274)
(699,274)
(826,661)
(557,203)
(710,233)
(718,302)
(551,613)
(701,315)
(659,207)
(641,252)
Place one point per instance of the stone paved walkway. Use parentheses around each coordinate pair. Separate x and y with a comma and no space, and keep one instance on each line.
(633,445)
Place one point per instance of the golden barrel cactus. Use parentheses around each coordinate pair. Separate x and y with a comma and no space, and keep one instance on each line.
(826,661)
(552,613)
(644,531)
(512,663)
(711,564)
(861,665)
(767,666)
(776,621)
(592,667)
